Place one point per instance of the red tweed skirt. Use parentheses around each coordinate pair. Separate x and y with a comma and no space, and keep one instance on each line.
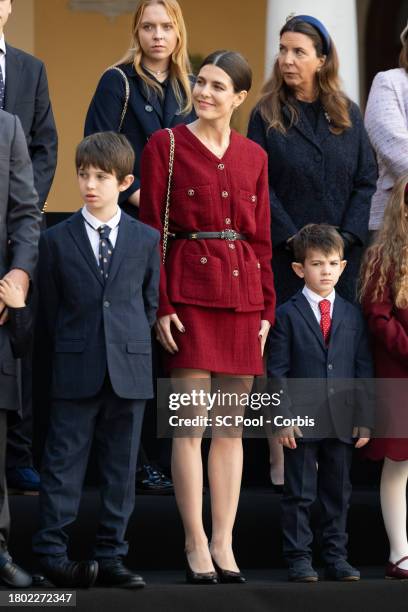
(216,339)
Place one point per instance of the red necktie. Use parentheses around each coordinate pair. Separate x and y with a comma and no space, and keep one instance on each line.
(325,320)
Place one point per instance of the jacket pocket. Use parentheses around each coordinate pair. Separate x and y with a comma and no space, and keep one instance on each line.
(139,347)
(201,278)
(69,346)
(246,211)
(9,368)
(254,282)
(192,207)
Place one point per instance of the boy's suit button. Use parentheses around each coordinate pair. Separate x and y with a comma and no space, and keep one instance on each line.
(106,304)
(330,366)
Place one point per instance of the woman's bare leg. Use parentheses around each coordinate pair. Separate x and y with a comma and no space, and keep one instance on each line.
(187,473)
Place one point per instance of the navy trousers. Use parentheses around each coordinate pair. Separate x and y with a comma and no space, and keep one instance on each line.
(113,424)
(316,470)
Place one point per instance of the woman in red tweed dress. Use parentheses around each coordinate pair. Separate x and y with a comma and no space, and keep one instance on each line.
(385,304)
(217,298)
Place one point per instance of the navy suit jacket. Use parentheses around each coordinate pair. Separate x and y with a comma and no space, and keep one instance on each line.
(145,114)
(27,97)
(97,328)
(297,351)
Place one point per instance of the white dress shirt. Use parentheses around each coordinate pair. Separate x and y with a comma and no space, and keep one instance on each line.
(314,299)
(3,57)
(92,224)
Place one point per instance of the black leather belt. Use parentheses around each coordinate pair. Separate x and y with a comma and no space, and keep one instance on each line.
(228,234)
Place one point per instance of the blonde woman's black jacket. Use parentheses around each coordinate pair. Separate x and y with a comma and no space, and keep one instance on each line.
(145,115)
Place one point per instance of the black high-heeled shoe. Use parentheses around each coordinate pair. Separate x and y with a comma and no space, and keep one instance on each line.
(193,577)
(228,576)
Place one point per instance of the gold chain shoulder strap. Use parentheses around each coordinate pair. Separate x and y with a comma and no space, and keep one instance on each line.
(127,95)
(167,210)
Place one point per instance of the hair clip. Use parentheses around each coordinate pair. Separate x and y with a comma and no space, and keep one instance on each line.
(290,16)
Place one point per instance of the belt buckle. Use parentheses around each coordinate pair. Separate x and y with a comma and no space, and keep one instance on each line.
(229,234)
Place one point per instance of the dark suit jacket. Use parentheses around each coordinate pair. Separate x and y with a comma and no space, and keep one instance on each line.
(19,234)
(27,97)
(317,177)
(297,351)
(145,114)
(94,327)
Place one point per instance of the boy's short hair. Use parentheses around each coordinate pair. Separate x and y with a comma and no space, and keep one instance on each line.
(317,236)
(109,151)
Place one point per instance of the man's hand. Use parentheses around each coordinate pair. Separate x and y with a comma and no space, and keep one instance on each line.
(20,279)
(288,435)
(363,435)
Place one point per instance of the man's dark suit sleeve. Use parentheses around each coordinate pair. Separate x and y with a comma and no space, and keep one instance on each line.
(279,359)
(151,283)
(364,374)
(49,289)
(44,140)
(23,216)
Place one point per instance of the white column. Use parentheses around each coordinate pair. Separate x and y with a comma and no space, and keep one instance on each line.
(340,19)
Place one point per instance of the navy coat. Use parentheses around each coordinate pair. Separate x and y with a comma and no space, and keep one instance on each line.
(95,327)
(145,114)
(27,97)
(317,177)
(297,351)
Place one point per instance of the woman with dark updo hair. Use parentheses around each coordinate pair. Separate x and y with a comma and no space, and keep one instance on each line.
(217,297)
(321,166)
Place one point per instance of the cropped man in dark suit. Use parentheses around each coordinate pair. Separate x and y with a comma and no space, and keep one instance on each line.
(24,87)
(19,234)
(321,337)
(99,272)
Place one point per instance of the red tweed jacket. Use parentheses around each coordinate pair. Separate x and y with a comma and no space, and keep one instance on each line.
(211,194)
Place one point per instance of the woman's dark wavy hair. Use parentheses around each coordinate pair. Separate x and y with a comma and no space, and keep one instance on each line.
(276,94)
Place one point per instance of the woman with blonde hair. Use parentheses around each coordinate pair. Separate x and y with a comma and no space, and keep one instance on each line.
(384,293)
(321,166)
(149,88)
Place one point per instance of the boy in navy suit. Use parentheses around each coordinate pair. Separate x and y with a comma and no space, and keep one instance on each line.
(99,274)
(322,337)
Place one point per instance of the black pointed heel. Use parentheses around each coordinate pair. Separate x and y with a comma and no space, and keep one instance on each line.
(228,576)
(193,577)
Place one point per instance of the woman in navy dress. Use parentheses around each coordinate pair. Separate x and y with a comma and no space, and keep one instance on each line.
(157,70)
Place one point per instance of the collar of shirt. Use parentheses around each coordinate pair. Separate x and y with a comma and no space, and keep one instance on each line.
(3,52)
(95,223)
(314,299)
(91,226)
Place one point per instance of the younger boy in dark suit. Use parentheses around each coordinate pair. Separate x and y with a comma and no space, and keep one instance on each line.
(319,336)
(99,274)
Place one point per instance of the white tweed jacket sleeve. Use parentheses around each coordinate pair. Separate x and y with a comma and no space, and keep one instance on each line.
(386,121)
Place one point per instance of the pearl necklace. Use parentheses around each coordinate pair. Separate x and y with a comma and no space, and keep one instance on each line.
(156,73)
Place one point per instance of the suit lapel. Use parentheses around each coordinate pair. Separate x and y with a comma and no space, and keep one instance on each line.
(76,226)
(121,246)
(13,80)
(338,315)
(302,126)
(306,312)
(150,99)
(171,106)
(323,125)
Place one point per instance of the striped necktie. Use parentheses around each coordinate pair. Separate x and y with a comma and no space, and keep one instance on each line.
(2,87)
(105,250)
